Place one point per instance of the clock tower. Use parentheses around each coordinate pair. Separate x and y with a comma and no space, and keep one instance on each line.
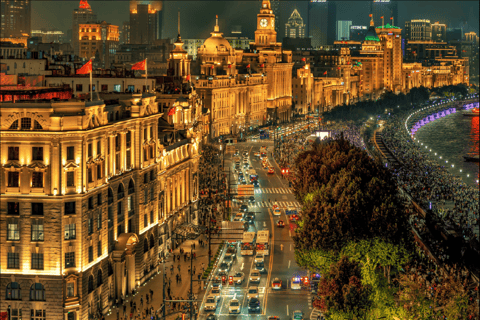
(265,35)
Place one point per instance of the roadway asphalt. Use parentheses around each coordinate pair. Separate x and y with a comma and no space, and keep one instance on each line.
(280,263)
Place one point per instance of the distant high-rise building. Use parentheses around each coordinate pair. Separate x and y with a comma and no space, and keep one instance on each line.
(454,34)
(49,36)
(419,29)
(82,15)
(146,20)
(358,33)
(343,29)
(322,17)
(99,40)
(15,18)
(295,28)
(386,9)
(276,12)
(125,33)
(439,32)
(472,37)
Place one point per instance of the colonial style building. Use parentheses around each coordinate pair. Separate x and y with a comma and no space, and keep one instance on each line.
(92,193)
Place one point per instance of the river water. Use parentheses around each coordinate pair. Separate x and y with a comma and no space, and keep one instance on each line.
(453,137)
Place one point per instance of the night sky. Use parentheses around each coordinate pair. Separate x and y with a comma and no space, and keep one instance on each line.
(198,17)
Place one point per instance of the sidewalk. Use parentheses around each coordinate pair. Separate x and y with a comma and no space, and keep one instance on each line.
(177,291)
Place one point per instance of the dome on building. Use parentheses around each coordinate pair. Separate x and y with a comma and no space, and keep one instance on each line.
(371,33)
(216,42)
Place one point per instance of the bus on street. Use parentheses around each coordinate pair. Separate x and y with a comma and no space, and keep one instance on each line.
(263,242)
(247,246)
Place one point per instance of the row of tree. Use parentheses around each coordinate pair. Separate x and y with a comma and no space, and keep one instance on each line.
(362,110)
(354,225)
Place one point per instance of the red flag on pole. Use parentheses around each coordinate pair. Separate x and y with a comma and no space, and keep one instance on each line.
(86,68)
(381,17)
(139,65)
(248,66)
(370,15)
(171,112)
(391,18)
(230,66)
(211,67)
(303,59)
(338,68)
(325,73)
(262,65)
(188,77)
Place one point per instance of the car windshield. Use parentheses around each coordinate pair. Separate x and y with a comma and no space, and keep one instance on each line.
(234,304)
(252,291)
(255,274)
(215,291)
(238,274)
(210,300)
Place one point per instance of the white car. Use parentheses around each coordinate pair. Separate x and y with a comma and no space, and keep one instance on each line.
(238,277)
(211,303)
(234,306)
(277,211)
(255,276)
(252,293)
(215,291)
(259,258)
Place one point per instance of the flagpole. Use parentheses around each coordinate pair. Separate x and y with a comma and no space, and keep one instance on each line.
(91,88)
(146,74)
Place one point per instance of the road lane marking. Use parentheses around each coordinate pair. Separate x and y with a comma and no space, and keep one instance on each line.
(242,266)
(290,247)
(290,232)
(289,261)
(264,224)
(287,311)
(270,264)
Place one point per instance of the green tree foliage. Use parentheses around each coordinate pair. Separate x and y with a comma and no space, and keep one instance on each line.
(352,198)
(341,290)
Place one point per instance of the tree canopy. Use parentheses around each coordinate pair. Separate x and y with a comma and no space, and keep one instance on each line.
(347,197)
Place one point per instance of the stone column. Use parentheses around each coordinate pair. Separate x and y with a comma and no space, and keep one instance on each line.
(130,264)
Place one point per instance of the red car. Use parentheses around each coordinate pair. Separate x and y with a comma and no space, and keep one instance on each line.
(276,284)
(293,218)
(280,224)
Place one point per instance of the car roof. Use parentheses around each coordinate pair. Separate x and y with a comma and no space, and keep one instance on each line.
(211,296)
(234,300)
(252,287)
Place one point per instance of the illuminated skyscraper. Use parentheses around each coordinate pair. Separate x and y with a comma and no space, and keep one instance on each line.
(82,15)
(322,17)
(419,29)
(343,30)
(295,28)
(276,11)
(15,16)
(439,32)
(146,19)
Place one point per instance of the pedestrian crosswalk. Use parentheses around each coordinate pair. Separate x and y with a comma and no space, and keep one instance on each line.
(269,204)
(273,190)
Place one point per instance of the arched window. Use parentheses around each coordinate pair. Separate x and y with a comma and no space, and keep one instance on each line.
(99,278)
(90,283)
(13,291)
(145,245)
(14,125)
(131,187)
(152,243)
(25,123)
(37,125)
(37,292)
(110,196)
(110,268)
(120,191)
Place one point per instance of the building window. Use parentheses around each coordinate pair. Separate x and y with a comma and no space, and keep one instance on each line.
(99,199)
(37,208)
(37,125)
(70,289)
(13,230)
(120,191)
(70,231)
(37,230)
(151,216)
(13,291)
(104,87)
(37,261)
(90,153)
(90,203)
(14,125)
(129,160)
(152,194)
(25,123)
(90,283)
(90,226)
(90,175)
(120,215)
(70,179)
(99,220)
(145,220)
(15,314)
(90,254)
(145,194)
(145,177)
(71,153)
(128,138)
(99,171)
(110,216)
(37,180)
(69,259)
(13,179)
(37,153)
(13,208)
(38,314)
(99,248)
(13,260)
(78,87)
(130,206)
(13,153)
(110,196)
(70,207)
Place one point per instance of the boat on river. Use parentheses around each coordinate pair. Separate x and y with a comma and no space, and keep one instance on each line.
(472,157)
(474,113)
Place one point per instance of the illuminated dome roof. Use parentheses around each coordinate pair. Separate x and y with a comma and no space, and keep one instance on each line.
(371,33)
(216,43)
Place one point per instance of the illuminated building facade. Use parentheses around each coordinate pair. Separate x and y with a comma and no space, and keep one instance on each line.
(295,28)
(15,18)
(146,19)
(439,32)
(391,41)
(343,30)
(419,29)
(91,195)
(322,17)
(99,40)
(125,33)
(49,36)
(82,15)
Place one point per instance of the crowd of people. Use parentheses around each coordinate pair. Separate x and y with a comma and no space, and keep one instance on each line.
(431,184)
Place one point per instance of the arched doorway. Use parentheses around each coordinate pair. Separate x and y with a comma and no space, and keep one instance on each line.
(124,264)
